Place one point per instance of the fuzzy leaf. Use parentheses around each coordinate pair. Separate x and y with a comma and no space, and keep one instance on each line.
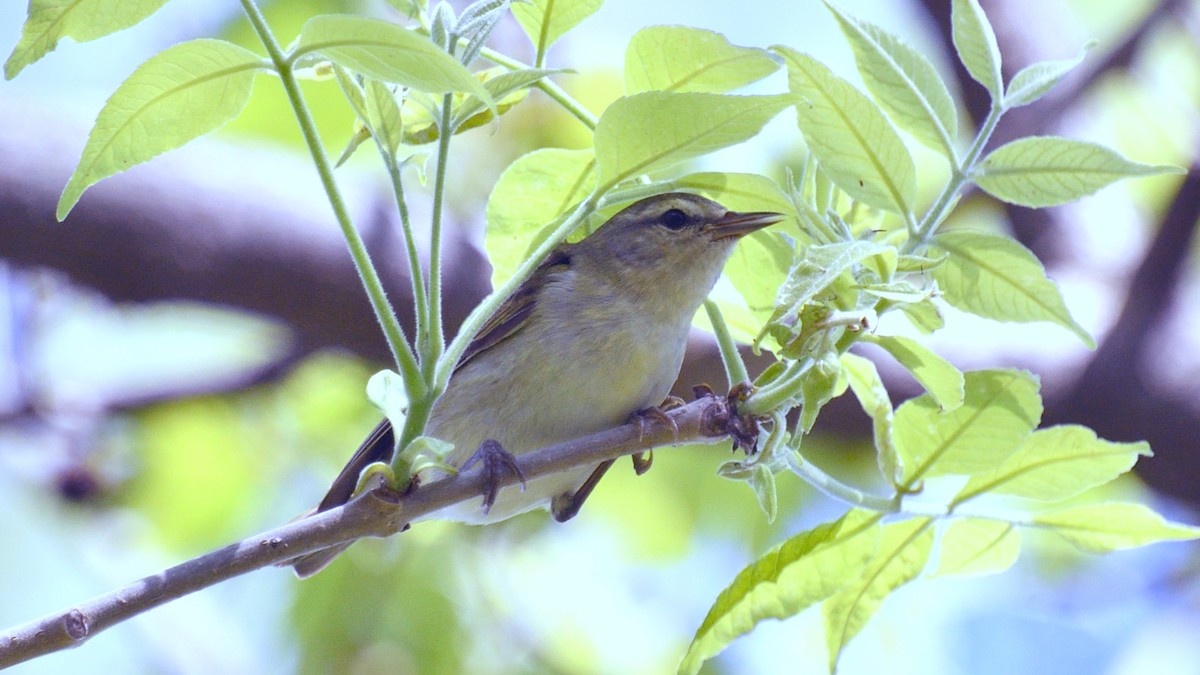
(973,546)
(800,572)
(49,21)
(1046,170)
(975,42)
(998,278)
(850,136)
(1055,464)
(1100,528)
(940,378)
(904,82)
(1000,409)
(903,551)
(873,397)
(1036,79)
(641,133)
(679,58)
(178,94)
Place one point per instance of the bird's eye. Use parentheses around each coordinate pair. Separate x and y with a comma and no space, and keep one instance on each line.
(674,219)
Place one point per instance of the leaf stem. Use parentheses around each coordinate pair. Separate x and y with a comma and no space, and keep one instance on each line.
(832,487)
(397,341)
(735,368)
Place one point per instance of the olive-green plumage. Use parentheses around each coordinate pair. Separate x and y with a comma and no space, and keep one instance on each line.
(595,335)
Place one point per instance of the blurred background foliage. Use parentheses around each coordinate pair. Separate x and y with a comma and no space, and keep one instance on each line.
(137,435)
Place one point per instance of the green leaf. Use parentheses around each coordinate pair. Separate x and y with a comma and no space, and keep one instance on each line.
(387,52)
(545,21)
(1047,170)
(797,574)
(998,278)
(1055,464)
(975,42)
(679,58)
(818,269)
(1035,80)
(1000,408)
(903,551)
(638,134)
(386,391)
(81,20)
(850,136)
(820,385)
(872,395)
(1100,528)
(940,378)
(383,114)
(175,96)
(904,83)
(499,86)
(533,191)
(924,316)
(973,546)
(763,484)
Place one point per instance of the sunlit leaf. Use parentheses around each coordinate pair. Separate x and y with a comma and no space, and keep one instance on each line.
(1036,79)
(180,93)
(545,21)
(388,52)
(940,378)
(904,82)
(49,21)
(820,267)
(1055,464)
(1100,528)
(797,574)
(850,136)
(1046,170)
(998,278)
(641,133)
(868,388)
(679,58)
(973,546)
(975,42)
(530,194)
(1000,409)
(903,551)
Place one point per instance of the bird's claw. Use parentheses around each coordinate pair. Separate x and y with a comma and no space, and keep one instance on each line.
(496,461)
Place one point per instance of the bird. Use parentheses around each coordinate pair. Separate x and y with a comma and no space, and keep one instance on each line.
(595,335)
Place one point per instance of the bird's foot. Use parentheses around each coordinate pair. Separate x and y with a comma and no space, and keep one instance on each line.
(496,462)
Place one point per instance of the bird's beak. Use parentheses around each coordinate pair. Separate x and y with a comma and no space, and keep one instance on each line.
(736,225)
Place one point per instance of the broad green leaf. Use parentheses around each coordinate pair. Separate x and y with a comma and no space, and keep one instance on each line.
(679,58)
(818,269)
(797,574)
(822,383)
(904,82)
(975,42)
(388,52)
(175,96)
(49,21)
(850,136)
(998,278)
(1100,528)
(973,546)
(1047,170)
(903,551)
(869,390)
(1000,409)
(533,191)
(1036,79)
(1055,464)
(638,134)
(545,21)
(924,316)
(740,191)
(383,114)
(940,378)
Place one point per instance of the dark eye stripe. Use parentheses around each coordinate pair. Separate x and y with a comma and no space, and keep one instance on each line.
(674,219)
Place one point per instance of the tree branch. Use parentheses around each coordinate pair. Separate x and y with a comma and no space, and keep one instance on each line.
(380,512)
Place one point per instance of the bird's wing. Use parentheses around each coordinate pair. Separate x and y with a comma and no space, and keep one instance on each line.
(378,447)
(516,309)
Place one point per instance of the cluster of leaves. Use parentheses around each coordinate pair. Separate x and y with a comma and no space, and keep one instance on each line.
(856,247)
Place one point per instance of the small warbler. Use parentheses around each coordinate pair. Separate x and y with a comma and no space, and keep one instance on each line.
(594,336)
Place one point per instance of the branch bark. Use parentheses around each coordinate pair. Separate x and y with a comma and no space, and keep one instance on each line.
(379,512)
